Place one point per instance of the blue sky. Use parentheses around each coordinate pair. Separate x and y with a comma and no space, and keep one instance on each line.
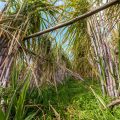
(2,4)
(60,2)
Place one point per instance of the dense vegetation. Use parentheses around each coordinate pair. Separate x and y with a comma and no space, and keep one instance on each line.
(60,60)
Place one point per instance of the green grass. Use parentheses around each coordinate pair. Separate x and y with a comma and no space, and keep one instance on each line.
(72,100)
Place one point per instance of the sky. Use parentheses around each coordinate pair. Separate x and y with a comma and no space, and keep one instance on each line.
(60,2)
(2,4)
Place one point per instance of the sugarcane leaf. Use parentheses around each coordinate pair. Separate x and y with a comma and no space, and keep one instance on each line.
(31,116)
(2,116)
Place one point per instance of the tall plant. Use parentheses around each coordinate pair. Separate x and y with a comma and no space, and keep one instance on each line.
(101,26)
(18,19)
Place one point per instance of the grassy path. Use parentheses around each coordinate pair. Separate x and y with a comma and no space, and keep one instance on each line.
(72,101)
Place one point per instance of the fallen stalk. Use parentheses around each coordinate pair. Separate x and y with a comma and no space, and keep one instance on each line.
(113,103)
(88,14)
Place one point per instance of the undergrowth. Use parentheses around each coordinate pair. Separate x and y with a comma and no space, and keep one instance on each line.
(71,100)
